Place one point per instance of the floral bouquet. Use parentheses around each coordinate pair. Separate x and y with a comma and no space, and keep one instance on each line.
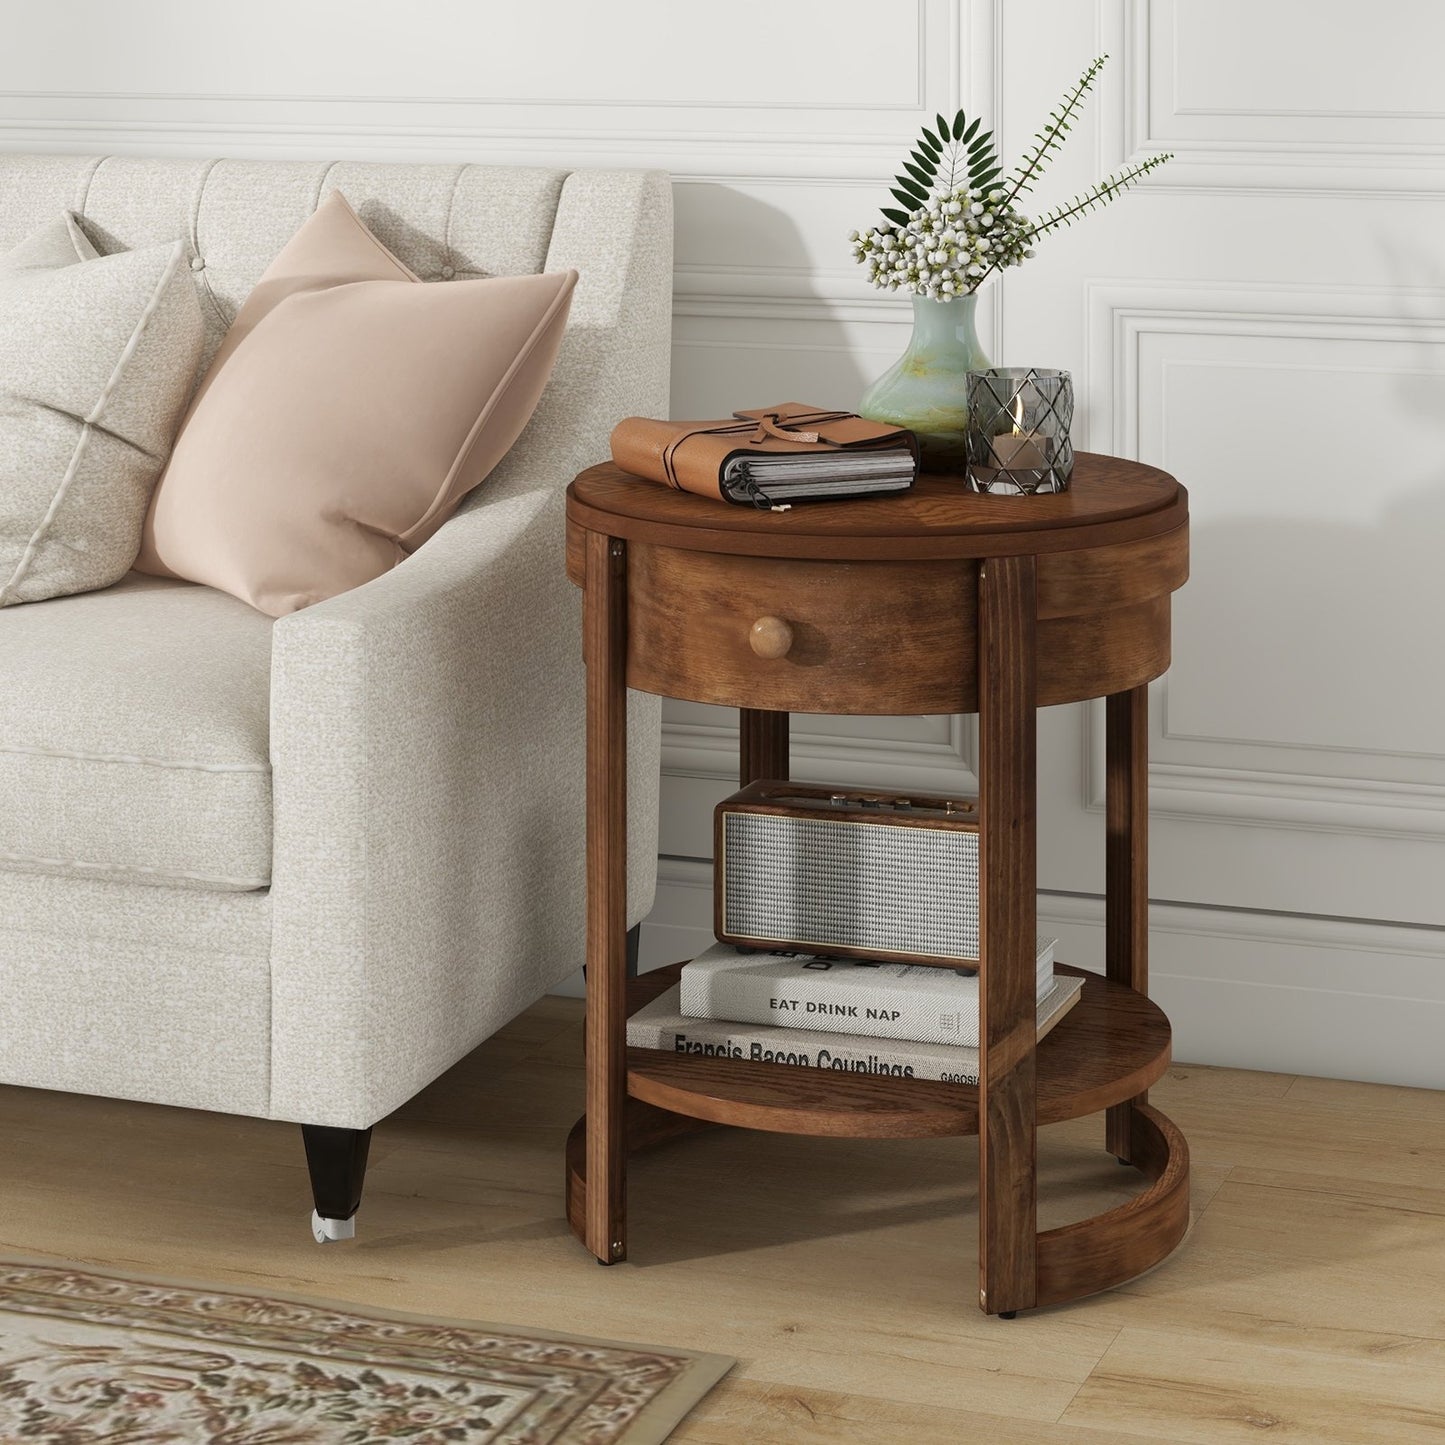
(961,222)
(957,222)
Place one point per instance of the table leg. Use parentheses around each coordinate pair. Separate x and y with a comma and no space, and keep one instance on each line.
(1008,747)
(1126,868)
(762,745)
(604,630)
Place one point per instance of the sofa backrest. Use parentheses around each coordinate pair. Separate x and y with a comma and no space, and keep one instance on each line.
(443,221)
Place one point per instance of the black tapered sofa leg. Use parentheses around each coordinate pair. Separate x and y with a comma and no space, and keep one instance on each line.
(336,1161)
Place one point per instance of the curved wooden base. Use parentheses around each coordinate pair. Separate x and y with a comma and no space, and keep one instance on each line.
(1097,1254)
(1111,1046)
(1074,1260)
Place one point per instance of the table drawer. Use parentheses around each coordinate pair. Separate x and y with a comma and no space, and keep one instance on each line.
(799,636)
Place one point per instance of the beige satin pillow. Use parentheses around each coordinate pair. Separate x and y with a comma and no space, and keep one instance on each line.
(349,410)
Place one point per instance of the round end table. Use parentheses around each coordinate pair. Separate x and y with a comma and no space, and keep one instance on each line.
(937,601)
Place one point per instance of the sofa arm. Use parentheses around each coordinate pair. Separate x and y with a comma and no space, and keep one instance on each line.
(427,755)
(427,730)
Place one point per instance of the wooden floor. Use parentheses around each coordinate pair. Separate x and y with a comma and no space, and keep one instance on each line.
(1308,1305)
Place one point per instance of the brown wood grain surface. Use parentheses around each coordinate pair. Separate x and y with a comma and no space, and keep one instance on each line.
(872,637)
(867,636)
(1111,500)
(604,633)
(1126,864)
(762,745)
(1098,578)
(1098,1253)
(1008,868)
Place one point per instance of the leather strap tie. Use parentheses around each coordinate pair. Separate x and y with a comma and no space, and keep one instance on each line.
(752,428)
(769,425)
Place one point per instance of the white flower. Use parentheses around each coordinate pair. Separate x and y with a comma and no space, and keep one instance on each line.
(947,246)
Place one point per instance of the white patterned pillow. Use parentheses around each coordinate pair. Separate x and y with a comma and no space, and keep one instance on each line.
(98,355)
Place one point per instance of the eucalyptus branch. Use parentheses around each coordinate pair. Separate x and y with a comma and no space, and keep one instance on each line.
(1051,137)
(1101,194)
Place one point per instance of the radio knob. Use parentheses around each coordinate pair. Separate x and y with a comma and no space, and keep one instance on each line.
(770,637)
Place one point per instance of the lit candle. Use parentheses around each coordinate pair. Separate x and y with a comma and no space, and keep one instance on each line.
(1019,450)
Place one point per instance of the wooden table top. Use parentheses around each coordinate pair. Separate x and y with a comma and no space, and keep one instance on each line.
(1110,500)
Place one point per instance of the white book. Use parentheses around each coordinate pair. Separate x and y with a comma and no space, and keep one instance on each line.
(660,1025)
(842,995)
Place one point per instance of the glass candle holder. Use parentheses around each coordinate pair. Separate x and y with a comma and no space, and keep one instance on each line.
(1018,431)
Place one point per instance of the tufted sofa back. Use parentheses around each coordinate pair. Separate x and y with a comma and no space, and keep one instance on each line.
(442,220)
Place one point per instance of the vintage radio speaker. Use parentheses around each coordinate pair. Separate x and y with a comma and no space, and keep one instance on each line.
(850,873)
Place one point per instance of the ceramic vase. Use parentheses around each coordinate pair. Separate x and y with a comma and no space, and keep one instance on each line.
(926,389)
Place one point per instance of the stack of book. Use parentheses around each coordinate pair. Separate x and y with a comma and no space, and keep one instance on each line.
(831,1013)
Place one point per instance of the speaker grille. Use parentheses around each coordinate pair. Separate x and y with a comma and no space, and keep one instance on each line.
(851,885)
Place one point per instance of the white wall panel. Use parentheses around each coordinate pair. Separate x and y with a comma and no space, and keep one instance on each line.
(646,80)
(1296,95)
(564,53)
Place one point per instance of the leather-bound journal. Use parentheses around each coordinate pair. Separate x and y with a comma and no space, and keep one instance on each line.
(771,456)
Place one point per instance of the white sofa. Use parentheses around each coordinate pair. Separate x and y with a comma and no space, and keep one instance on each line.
(297,869)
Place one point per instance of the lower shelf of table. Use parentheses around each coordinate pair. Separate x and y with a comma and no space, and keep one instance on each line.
(1110,1047)
(1071,1261)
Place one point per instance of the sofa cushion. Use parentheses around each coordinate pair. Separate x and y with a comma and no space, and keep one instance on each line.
(134,736)
(349,410)
(98,355)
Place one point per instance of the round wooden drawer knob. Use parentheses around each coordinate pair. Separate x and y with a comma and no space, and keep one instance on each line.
(770,637)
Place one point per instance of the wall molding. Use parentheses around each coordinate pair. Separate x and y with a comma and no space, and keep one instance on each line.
(949,763)
(1300,164)
(688,155)
(847,135)
(1303,793)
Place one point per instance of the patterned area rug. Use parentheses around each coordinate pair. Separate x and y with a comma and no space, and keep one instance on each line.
(87,1357)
